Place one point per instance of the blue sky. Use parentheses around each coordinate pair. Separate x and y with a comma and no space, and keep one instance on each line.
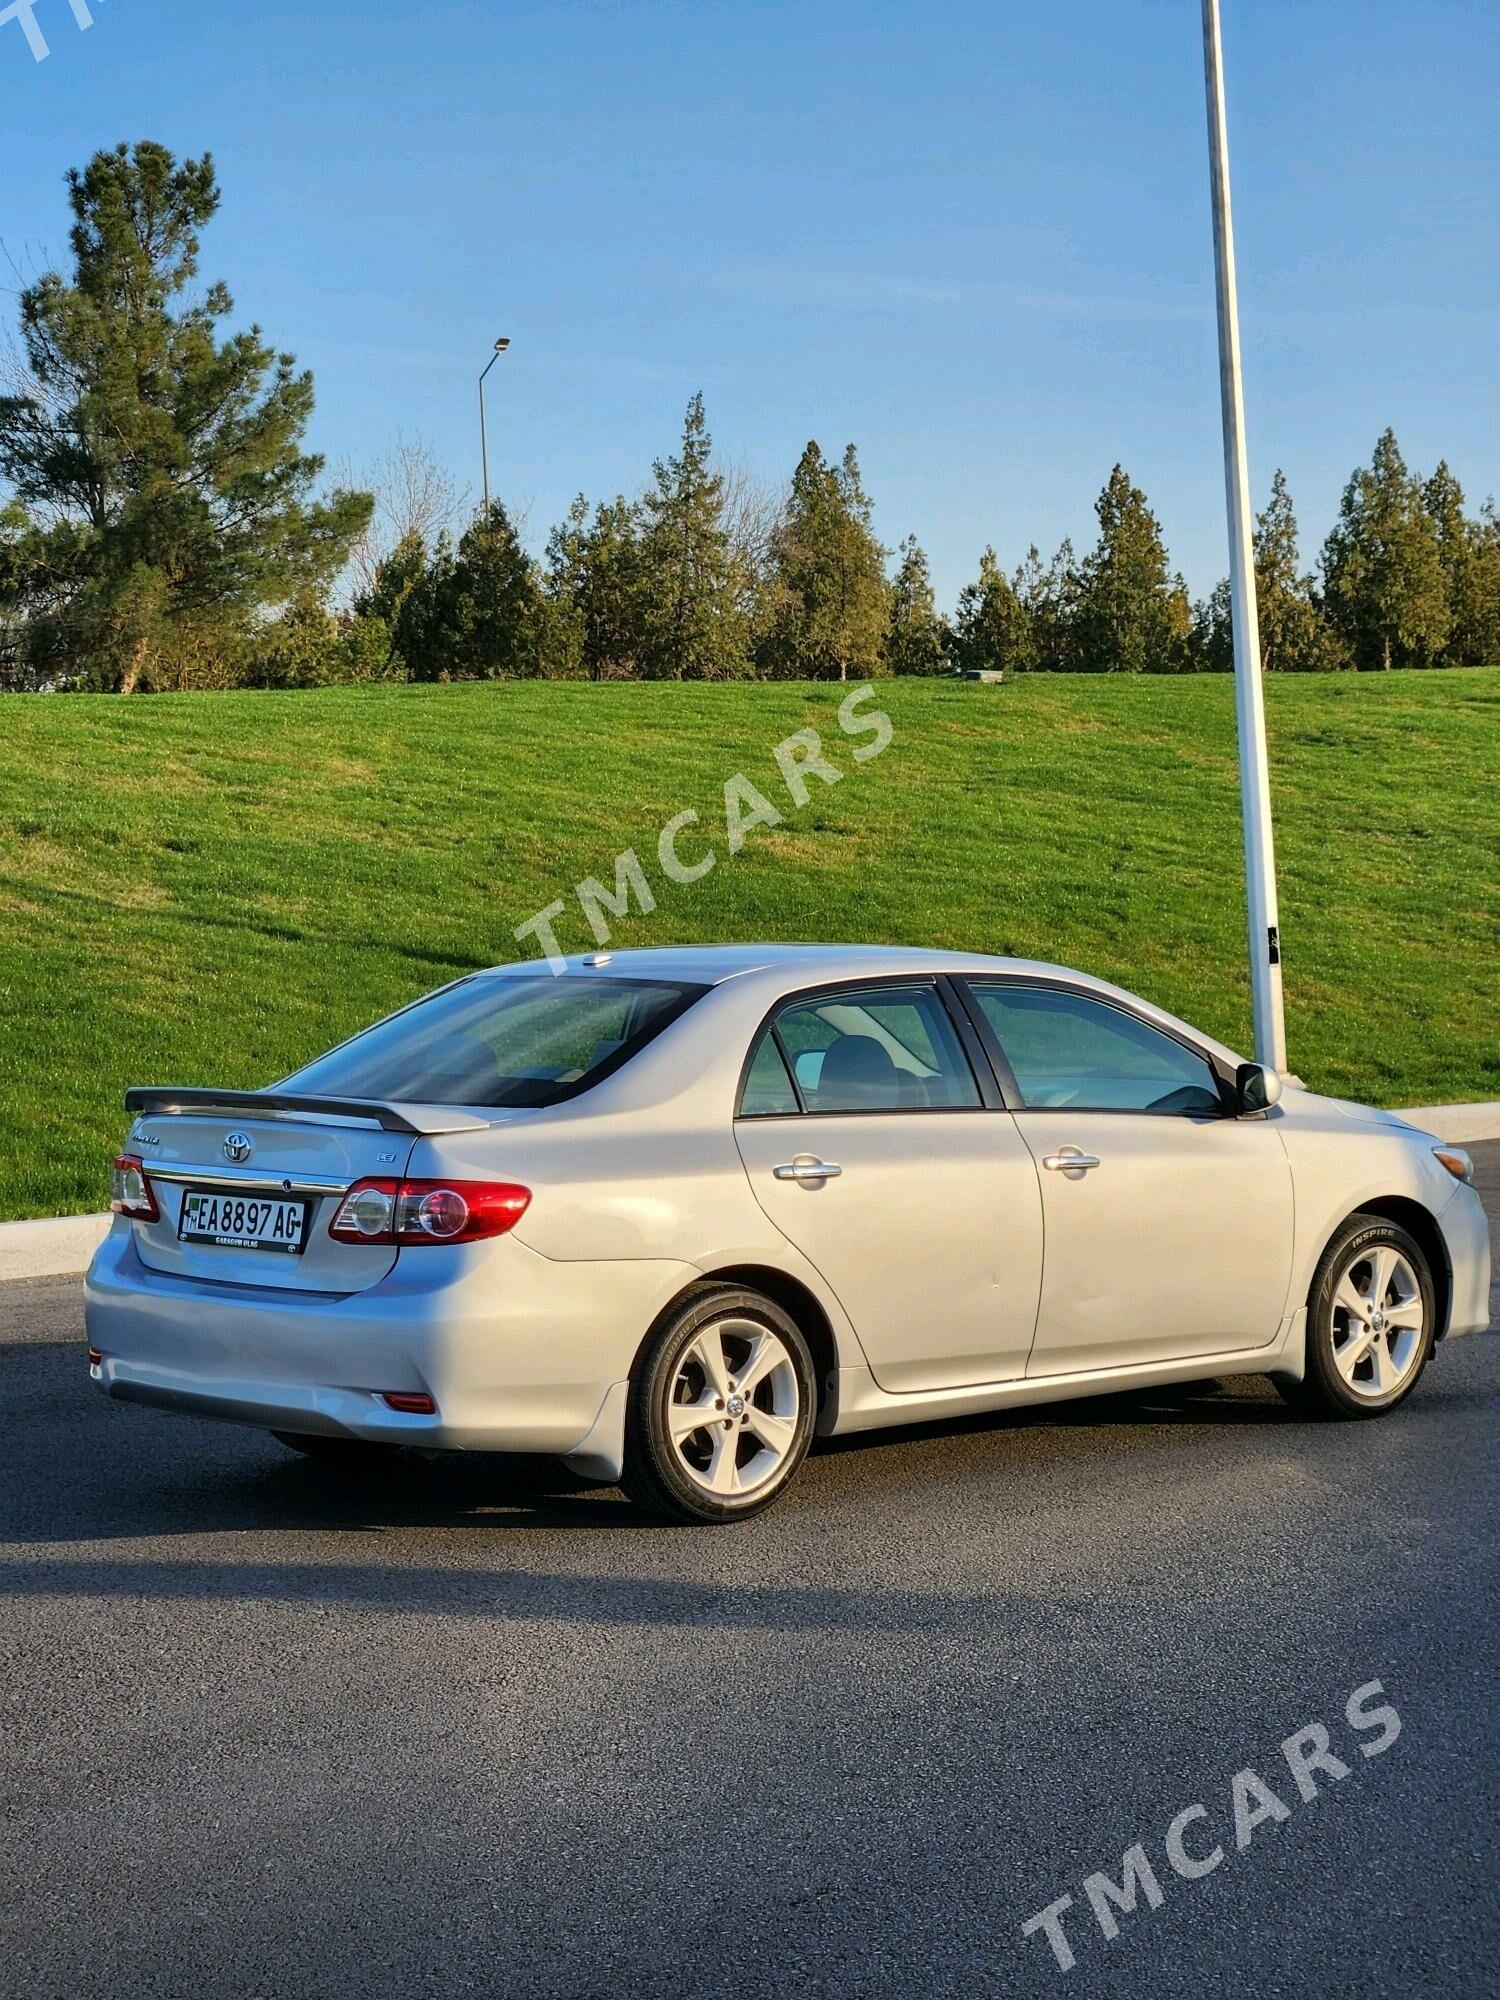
(973,238)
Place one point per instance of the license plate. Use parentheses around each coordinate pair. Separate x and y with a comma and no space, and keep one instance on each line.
(243,1221)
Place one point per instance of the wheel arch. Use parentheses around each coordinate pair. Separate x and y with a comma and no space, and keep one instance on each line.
(794,1298)
(1420,1223)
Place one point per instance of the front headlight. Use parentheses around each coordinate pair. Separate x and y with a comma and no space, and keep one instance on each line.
(1456,1160)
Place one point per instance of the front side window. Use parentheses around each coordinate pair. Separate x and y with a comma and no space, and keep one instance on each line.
(1069,1051)
(881,1048)
(495,1041)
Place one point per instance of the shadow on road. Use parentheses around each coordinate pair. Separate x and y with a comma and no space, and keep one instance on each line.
(526,1596)
(87,1472)
(102,1472)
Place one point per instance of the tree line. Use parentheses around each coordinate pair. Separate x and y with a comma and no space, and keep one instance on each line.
(165,528)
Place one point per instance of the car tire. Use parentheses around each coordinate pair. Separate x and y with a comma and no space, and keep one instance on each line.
(1371,1323)
(353,1452)
(737,1361)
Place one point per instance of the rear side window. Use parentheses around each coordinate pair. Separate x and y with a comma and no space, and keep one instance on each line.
(879,1048)
(497,1042)
(768,1091)
(1071,1052)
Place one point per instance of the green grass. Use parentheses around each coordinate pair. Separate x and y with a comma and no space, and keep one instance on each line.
(215,887)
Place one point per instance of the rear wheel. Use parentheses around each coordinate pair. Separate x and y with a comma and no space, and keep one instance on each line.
(1370,1323)
(353,1452)
(721,1408)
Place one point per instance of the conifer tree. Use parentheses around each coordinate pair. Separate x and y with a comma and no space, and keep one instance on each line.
(693,600)
(612,592)
(993,631)
(915,640)
(1049,595)
(1133,615)
(1384,580)
(158,457)
(1470,555)
(477,613)
(830,606)
(1294,634)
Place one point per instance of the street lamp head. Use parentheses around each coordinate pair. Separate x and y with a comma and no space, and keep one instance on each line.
(502,343)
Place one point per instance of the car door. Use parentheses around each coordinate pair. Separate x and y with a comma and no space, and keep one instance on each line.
(1168,1220)
(875,1139)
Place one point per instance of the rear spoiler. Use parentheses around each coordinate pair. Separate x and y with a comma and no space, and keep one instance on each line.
(417,1118)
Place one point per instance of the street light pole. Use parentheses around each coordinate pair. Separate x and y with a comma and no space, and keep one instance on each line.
(484,444)
(1255,785)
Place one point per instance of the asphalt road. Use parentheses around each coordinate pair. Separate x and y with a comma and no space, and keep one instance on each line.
(267,1733)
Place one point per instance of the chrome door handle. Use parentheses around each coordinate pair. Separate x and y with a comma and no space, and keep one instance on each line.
(1070,1157)
(807,1170)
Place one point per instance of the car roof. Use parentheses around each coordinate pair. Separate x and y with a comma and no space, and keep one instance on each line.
(710,964)
(774,969)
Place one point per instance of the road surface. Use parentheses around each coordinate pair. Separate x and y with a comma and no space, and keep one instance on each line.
(445,1732)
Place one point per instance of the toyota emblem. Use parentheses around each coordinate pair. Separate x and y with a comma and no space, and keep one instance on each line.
(238,1146)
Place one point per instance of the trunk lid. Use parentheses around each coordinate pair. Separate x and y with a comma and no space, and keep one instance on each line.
(263,1149)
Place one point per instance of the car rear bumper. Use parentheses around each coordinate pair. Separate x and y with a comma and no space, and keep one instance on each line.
(518,1352)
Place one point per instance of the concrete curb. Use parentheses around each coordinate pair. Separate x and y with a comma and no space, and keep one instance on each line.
(58,1247)
(61,1246)
(1457,1123)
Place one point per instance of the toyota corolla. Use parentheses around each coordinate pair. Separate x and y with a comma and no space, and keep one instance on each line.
(669,1214)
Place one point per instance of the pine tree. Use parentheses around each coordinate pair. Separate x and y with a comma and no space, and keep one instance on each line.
(1294,635)
(562,590)
(1384,581)
(695,626)
(1050,596)
(477,613)
(1470,555)
(993,631)
(915,640)
(864,591)
(159,458)
(831,599)
(1133,615)
(610,592)
(1481,630)
(395,577)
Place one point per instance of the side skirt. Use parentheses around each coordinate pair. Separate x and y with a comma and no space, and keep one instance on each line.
(858,1403)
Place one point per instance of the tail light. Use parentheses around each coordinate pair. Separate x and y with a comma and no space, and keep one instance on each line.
(412,1212)
(131,1193)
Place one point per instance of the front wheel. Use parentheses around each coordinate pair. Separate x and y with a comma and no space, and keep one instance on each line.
(721,1408)
(1370,1322)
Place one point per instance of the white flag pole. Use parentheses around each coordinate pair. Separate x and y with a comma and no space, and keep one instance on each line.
(1255,787)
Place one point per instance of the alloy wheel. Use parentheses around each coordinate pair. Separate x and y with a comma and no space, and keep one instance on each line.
(733,1407)
(1378,1321)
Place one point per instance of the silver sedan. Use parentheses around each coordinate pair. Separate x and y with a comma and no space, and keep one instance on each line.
(668,1214)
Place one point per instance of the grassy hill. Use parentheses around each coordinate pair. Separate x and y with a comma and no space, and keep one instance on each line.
(211,888)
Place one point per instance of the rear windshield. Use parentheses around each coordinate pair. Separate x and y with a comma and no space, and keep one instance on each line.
(500,1042)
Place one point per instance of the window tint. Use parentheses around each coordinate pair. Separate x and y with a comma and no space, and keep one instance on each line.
(495,1041)
(1068,1051)
(884,1048)
(768,1091)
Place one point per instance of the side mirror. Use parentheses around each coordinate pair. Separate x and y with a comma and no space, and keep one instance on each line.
(1256,1087)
